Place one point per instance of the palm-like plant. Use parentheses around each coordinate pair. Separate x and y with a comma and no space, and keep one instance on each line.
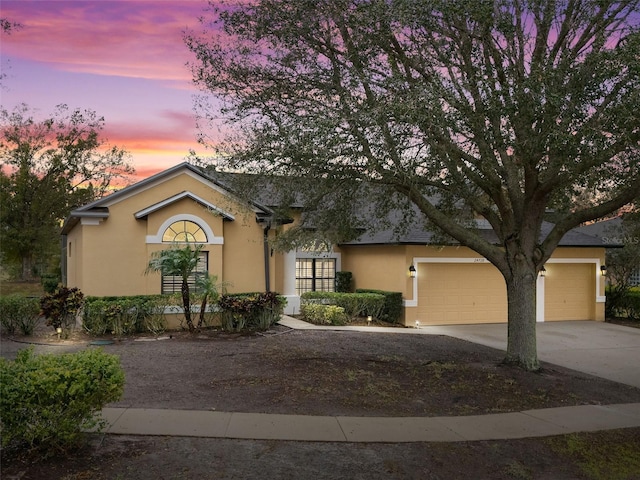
(210,291)
(180,262)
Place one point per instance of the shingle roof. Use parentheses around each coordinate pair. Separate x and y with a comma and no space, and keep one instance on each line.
(267,199)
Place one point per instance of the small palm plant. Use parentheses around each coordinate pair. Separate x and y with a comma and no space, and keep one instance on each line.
(210,291)
(180,262)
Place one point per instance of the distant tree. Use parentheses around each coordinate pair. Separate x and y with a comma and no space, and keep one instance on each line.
(181,262)
(623,264)
(460,109)
(49,167)
(6,28)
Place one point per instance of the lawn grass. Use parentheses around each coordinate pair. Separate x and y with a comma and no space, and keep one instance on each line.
(612,455)
(32,289)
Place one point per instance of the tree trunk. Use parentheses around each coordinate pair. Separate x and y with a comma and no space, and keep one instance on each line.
(186,304)
(27,268)
(203,307)
(521,339)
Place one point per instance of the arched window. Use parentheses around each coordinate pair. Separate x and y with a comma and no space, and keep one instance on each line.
(184,231)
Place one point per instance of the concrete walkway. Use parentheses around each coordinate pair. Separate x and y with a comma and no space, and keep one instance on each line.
(257,426)
(530,423)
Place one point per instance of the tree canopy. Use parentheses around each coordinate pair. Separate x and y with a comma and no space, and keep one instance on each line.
(459,109)
(48,167)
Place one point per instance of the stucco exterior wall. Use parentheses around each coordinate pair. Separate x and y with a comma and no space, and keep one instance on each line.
(118,247)
(377,267)
(387,268)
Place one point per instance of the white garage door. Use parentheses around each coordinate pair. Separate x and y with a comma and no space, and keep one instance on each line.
(459,293)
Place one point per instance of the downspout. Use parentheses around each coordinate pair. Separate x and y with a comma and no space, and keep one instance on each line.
(267,282)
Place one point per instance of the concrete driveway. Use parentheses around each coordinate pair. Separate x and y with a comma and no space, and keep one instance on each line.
(601,349)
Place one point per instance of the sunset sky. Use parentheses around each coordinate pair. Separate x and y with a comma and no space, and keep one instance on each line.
(125,59)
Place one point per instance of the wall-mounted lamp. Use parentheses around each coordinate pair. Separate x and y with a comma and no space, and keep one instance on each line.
(543,271)
(603,270)
(412,271)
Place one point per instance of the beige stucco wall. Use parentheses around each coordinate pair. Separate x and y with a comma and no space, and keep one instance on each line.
(377,267)
(386,268)
(117,247)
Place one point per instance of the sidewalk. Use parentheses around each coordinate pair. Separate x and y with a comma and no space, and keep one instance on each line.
(257,426)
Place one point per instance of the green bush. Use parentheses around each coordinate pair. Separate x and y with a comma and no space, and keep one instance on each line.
(47,401)
(50,281)
(623,303)
(355,304)
(344,281)
(60,307)
(126,315)
(392,310)
(19,313)
(250,311)
(323,314)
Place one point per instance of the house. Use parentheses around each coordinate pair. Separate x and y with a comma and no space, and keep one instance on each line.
(108,243)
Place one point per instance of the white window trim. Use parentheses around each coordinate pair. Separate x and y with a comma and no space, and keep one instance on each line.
(211,238)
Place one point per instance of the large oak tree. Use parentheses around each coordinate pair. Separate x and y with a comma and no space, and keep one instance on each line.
(494,109)
(49,166)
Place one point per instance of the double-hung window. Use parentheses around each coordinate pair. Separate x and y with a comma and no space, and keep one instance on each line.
(315,275)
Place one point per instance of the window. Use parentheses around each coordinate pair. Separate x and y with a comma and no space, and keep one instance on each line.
(173,283)
(184,231)
(315,275)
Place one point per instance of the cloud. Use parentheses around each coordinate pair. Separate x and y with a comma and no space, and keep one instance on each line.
(116,38)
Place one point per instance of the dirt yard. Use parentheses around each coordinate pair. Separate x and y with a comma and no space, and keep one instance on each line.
(326,373)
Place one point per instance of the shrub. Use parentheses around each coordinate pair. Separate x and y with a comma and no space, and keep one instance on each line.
(355,304)
(18,312)
(392,310)
(344,281)
(155,321)
(61,307)
(250,311)
(623,303)
(323,314)
(50,281)
(47,401)
(126,315)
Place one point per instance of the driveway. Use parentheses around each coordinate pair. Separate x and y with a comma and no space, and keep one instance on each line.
(601,349)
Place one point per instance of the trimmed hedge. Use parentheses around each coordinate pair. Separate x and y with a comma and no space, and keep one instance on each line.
(125,315)
(19,313)
(344,281)
(323,314)
(47,401)
(355,304)
(392,310)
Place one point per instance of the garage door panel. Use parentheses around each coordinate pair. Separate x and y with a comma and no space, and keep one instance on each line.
(569,292)
(461,293)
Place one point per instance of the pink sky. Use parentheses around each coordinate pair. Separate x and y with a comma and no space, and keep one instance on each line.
(124,59)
